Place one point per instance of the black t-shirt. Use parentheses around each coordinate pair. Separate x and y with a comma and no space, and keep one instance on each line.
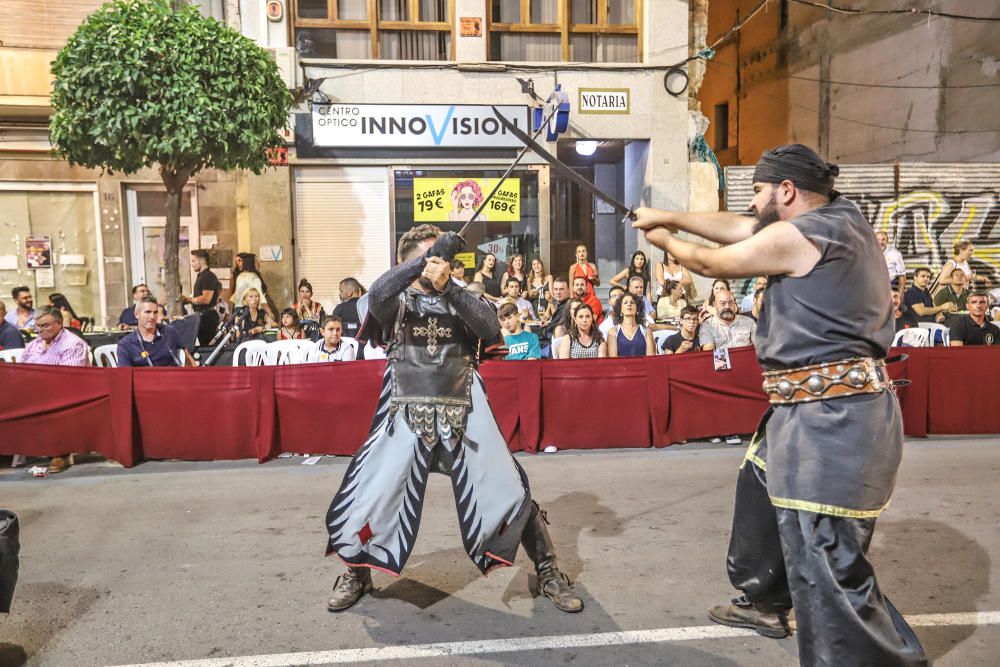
(965,330)
(347,311)
(914,295)
(673,343)
(206,281)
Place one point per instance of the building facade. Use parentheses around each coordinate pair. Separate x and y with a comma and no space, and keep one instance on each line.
(411,69)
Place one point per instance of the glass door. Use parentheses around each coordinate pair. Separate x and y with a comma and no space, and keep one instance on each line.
(147,218)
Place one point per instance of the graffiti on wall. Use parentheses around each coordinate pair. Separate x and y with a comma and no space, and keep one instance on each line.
(925,224)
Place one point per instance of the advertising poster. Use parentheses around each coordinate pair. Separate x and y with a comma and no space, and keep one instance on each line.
(456,199)
(38,252)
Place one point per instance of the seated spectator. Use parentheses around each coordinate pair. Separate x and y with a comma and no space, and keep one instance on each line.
(557,308)
(307,309)
(920,306)
(685,340)
(637,287)
(629,338)
(746,305)
(672,270)
(512,291)
(127,319)
(727,329)
(150,344)
(898,309)
(10,337)
(758,303)
(718,285)
(55,346)
(23,315)
(332,346)
(521,344)
(252,319)
(70,318)
(458,273)
(613,295)
(515,269)
(974,328)
(290,329)
(581,292)
(347,310)
(955,291)
(246,275)
(584,340)
(670,305)
(562,330)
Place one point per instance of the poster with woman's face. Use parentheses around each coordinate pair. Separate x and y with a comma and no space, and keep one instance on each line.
(38,252)
(457,199)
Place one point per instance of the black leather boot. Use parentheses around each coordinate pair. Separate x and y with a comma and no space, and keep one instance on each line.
(552,583)
(349,588)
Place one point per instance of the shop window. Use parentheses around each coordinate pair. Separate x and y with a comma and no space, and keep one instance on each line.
(397,30)
(565,30)
(511,225)
(62,222)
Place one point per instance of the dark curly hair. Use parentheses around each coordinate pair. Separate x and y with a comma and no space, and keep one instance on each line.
(616,312)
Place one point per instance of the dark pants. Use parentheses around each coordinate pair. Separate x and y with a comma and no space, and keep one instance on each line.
(783,557)
(208,326)
(10,546)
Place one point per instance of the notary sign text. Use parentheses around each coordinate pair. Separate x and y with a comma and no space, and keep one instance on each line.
(604,100)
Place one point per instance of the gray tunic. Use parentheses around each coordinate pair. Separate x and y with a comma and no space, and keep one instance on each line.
(837,456)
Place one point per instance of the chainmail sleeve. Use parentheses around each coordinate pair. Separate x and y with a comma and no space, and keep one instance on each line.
(383,293)
(479,316)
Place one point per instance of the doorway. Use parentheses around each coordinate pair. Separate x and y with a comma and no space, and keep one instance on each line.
(146,206)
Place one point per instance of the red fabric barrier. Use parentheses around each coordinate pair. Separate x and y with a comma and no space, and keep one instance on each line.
(515,390)
(200,414)
(963,392)
(326,408)
(705,402)
(589,403)
(226,413)
(53,410)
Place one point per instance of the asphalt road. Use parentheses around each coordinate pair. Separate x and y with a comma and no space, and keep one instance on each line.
(176,561)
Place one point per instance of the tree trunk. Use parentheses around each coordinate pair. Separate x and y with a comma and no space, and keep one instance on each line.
(232,9)
(174,182)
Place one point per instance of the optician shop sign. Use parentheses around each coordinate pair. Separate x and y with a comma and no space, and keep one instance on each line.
(415,126)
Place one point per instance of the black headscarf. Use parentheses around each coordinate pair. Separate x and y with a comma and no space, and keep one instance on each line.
(798,164)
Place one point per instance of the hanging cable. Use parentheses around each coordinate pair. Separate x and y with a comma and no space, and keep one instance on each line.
(884,12)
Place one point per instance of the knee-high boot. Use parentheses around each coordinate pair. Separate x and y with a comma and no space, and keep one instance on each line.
(552,583)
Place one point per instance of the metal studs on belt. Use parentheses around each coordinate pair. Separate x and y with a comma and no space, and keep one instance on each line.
(815,383)
(786,389)
(857,377)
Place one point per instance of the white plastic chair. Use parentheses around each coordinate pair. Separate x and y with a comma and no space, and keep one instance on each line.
(936,332)
(660,336)
(106,356)
(11,356)
(285,352)
(911,338)
(554,347)
(250,353)
(373,352)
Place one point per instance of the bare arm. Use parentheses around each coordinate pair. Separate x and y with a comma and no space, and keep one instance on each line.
(721,227)
(650,345)
(612,342)
(922,310)
(778,249)
(621,275)
(563,351)
(602,350)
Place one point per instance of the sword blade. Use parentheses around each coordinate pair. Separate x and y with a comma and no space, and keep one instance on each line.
(562,168)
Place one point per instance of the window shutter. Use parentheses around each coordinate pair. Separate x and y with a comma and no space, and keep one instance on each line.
(342,229)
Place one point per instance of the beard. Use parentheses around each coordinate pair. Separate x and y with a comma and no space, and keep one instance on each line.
(767,215)
(426,284)
(727,315)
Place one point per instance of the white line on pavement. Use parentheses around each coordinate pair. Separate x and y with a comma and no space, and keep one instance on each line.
(975,618)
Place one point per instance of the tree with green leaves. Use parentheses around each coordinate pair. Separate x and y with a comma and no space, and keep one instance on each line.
(143,84)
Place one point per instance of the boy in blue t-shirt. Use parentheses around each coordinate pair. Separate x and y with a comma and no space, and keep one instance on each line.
(521,344)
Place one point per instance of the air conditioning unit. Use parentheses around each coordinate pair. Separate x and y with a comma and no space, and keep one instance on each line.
(286,58)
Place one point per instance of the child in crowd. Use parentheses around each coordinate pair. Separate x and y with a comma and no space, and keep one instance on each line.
(521,344)
(290,327)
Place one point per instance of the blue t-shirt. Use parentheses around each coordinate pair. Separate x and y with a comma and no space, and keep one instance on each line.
(10,337)
(523,346)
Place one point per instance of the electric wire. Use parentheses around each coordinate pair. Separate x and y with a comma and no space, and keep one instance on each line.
(888,12)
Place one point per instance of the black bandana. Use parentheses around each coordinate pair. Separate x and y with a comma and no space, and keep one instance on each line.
(798,164)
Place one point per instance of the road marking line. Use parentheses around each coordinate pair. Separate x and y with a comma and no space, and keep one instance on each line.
(483,647)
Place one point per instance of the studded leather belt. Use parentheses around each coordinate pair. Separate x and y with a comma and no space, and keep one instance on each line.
(861,375)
